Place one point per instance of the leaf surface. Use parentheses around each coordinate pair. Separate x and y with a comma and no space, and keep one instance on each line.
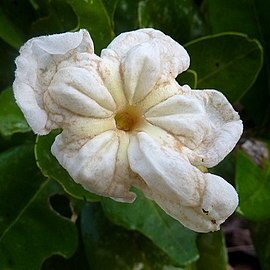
(94,16)
(227,62)
(109,246)
(250,17)
(11,117)
(181,20)
(30,230)
(188,77)
(213,252)
(50,167)
(8,32)
(253,186)
(146,217)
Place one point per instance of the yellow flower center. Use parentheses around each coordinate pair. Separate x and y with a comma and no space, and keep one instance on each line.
(128,118)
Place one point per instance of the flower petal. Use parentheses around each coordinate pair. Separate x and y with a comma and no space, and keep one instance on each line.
(109,70)
(204,121)
(36,66)
(200,201)
(173,56)
(77,90)
(141,71)
(183,116)
(219,201)
(165,171)
(226,129)
(95,163)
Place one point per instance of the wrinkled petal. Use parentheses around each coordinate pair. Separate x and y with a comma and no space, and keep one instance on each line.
(226,129)
(36,66)
(78,90)
(141,71)
(219,201)
(95,164)
(165,171)
(181,115)
(204,121)
(109,70)
(200,201)
(172,55)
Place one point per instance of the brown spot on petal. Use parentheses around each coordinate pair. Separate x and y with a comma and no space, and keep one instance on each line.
(213,221)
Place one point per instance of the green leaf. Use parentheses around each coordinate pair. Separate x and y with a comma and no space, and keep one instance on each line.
(180,19)
(146,217)
(247,16)
(7,66)
(261,241)
(30,230)
(8,32)
(50,167)
(253,186)
(226,168)
(17,167)
(21,14)
(110,7)
(228,62)
(188,77)
(252,18)
(256,101)
(59,17)
(93,16)
(108,246)
(213,253)
(243,17)
(11,117)
(126,16)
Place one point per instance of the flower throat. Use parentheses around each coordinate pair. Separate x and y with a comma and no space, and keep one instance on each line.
(128,118)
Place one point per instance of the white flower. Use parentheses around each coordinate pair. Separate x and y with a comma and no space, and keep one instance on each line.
(127,122)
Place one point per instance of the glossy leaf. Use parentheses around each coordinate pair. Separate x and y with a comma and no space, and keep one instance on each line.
(226,168)
(30,230)
(11,117)
(8,32)
(18,17)
(126,16)
(253,186)
(110,6)
(7,65)
(243,17)
(213,253)
(261,240)
(188,77)
(51,168)
(252,18)
(180,19)
(228,62)
(59,17)
(15,175)
(93,16)
(146,217)
(246,16)
(109,246)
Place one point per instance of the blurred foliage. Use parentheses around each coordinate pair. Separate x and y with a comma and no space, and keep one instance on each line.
(229,45)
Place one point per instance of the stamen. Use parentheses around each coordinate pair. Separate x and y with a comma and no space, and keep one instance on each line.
(124,121)
(127,118)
